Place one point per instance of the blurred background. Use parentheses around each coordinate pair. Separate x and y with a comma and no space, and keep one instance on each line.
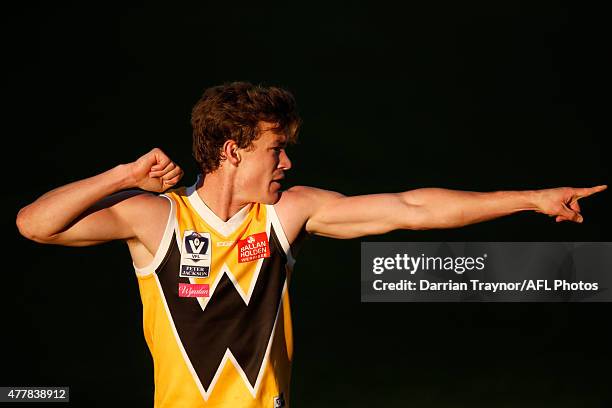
(478,96)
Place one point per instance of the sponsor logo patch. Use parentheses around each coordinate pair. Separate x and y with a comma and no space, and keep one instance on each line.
(193,290)
(194,271)
(253,247)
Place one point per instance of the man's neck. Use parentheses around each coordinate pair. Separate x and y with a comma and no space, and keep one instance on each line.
(217,191)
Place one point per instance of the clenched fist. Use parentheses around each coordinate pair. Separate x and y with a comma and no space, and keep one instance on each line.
(155,172)
(562,202)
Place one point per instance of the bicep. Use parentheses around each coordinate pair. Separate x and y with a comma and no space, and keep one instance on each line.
(112,218)
(357,216)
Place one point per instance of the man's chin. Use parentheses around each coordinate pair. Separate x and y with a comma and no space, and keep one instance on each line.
(272,198)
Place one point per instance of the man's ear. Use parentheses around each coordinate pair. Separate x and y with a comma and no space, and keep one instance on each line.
(231,152)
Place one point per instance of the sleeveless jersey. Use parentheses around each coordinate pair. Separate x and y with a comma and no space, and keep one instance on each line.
(216,310)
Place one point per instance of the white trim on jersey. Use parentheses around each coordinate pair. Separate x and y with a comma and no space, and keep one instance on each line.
(223,227)
(280,233)
(163,245)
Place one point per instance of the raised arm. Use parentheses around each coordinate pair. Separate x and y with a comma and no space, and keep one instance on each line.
(334,215)
(96,209)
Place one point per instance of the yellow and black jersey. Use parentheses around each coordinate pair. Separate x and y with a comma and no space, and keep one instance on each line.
(216,310)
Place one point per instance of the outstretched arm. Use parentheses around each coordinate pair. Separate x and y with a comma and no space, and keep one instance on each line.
(334,215)
(95,210)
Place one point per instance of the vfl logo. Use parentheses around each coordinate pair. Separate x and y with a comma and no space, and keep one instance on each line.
(196,255)
(196,244)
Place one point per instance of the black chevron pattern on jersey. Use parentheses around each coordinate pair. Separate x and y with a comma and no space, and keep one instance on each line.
(226,322)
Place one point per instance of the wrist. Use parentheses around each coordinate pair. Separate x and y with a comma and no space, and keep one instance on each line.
(123,177)
(531,199)
(515,201)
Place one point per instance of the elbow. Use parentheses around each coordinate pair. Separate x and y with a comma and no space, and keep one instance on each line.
(411,214)
(24,225)
(417,218)
(27,227)
(422,218)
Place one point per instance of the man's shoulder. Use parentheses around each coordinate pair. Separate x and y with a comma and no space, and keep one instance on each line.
(298,204)
(302,201)
(293,211)
(296,198)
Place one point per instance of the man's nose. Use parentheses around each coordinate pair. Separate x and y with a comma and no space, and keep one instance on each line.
(284,162)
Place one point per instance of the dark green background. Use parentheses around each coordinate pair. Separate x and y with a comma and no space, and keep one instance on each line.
(477,96)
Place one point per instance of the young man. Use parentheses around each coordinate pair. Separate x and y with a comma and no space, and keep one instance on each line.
(213,260)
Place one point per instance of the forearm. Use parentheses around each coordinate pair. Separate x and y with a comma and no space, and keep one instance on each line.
(443,208)
(56,209)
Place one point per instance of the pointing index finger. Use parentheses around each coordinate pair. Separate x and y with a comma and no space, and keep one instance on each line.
(590,191)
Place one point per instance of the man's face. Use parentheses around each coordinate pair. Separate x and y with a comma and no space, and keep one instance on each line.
(262,166)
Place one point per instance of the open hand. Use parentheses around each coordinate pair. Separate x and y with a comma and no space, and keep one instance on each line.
(155,171)
(562,202)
